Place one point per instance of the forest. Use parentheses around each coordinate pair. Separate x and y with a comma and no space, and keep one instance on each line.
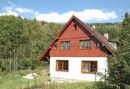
(23,40)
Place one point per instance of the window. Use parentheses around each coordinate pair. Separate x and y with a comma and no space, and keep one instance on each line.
(75,26)
(98,45)
(65,45)
(85,44)
(62,65)
(55,45)
(89,66)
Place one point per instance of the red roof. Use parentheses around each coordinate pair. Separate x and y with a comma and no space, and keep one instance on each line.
(96,34)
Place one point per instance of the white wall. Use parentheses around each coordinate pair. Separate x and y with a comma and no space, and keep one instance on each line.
(113,44)
(74,72)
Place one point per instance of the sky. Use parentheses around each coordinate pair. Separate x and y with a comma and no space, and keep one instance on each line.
(60,11)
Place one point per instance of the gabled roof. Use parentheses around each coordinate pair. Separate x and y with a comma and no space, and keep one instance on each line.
(93,32)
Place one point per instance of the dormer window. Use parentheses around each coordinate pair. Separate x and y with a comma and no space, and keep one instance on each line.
(65,45)
(85,44)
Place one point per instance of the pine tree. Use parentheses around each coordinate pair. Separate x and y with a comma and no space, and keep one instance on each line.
(119,64)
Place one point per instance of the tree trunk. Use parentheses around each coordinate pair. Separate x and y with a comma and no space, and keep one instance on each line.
(14,62)
(10,62)
(16,59)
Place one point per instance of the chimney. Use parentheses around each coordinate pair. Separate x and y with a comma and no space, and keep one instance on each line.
(106,35)
(94,27)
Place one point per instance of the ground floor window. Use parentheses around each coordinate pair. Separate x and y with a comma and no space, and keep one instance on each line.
(89,66)
(62,65)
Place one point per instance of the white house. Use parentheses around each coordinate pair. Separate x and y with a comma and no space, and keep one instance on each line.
(78,53)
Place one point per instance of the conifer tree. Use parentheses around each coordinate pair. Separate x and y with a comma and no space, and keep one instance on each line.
(119,64)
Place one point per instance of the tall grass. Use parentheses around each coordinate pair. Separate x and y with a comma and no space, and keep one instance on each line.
(79,85)
(15,80)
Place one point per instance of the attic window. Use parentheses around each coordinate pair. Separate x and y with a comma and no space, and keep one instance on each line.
(85,44)
(65,45)
(75,27)
(98,45)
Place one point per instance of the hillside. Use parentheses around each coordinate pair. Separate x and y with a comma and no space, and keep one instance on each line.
(113,29)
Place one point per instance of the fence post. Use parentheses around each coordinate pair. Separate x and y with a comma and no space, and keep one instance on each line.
(28,83)
(105,74)
(95,76)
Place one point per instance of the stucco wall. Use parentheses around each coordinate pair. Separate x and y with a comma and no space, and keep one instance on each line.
(74,72)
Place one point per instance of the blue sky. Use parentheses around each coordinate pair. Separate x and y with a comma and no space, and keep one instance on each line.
(61,10)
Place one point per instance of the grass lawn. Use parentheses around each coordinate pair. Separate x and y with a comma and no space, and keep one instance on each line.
(16,81)
(78,85)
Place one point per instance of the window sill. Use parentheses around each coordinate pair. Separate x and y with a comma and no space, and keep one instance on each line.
(65,49)
(85,48)
(88,72)
(62,71)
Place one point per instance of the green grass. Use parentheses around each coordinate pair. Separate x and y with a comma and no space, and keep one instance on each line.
(16,81)
(79,85)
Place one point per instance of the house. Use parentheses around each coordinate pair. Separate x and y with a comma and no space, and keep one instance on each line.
(78,53)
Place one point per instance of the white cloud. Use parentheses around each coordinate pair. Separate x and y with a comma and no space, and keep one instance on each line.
(85,15)
(9,13)
(23,10)
(13,10)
